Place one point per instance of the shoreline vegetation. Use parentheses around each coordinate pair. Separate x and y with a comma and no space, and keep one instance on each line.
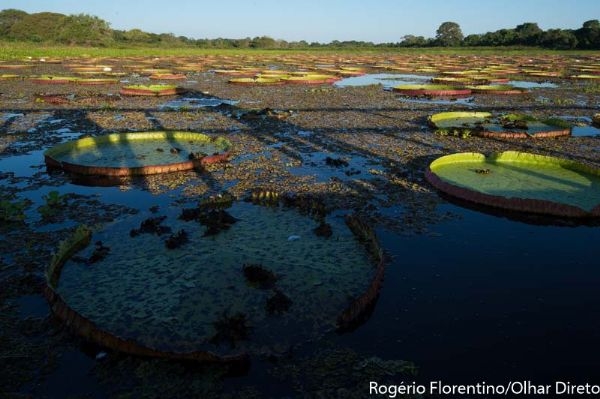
(47,34)
(22,51)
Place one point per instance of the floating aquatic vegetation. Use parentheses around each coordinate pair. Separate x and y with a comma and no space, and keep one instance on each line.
(205,280)
(520,181)
(177,240)
(152,225)
(258,276)
(100,252)
(484,124)
(323,230)
(140,153)
(231,329)
(150,90)
(278,303)
(336,162)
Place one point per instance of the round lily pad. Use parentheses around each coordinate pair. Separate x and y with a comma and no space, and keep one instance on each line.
(496,89)
(97,81)
(150,90)
(141,153)
(257,81)
(311,79)
(265,281)
(485,124)
(521,182)
(48,79)
(432,90)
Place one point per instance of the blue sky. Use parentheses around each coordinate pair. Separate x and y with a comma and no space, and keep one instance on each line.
(320,20)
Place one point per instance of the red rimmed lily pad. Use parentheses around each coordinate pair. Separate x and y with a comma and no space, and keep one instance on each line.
(48,79)
(311,79)
(496,89)
(97,81)
(140,153)
(432,90)
(260,81)
(168,76)
(484,124)
(150,90)
(520,181)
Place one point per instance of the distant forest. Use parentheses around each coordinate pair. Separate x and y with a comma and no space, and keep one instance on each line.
(88,30)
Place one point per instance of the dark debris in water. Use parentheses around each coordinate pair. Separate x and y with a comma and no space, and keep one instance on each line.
(177,240)
(151,225)
(336,162)
(323,230)
(231,329)
(259,276)
(216,221)
(278,303)
(100,252)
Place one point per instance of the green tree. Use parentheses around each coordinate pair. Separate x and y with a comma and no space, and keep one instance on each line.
(85,30)
(449,34)
(528,33)
(137,36)
(38,27)
(588,36)
(8,18)
(413,41)
(263,42)
(558,39)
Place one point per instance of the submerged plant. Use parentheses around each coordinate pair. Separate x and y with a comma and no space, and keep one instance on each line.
(176,240)
(278,303)
(557,122)
(231,329)
(323,229)
(13,211)
(258,276)
(264,196)
(151,226)
(100,252)
(54,202)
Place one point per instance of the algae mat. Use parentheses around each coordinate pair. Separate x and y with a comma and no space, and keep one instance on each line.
(520,181)
(169,299)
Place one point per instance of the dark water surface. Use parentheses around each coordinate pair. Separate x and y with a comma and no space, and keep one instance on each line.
(491,299)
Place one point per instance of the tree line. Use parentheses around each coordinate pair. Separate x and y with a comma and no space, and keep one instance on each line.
(88,30)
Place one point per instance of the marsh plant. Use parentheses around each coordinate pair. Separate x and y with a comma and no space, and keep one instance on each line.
(54,203)
(11,210)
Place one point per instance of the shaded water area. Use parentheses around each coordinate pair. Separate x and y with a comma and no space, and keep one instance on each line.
(488,298)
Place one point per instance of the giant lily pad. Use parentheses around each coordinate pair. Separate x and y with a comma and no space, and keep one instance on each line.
(261,81)
(150,90)
(484,124)
(432,90)
(520,181)
(496,89)
(141,153)
(138,293)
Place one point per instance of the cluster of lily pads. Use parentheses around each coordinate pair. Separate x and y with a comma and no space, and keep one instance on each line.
(485,124)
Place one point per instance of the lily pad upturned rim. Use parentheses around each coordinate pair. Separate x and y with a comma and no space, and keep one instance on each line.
(52,155)
(150,90)
(259,81)
(437,117)
(353,315)
(504,89)
(552,132)
(431,90)
(528,205)
(89,330)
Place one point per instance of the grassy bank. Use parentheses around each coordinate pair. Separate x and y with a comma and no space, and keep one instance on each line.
(20,51)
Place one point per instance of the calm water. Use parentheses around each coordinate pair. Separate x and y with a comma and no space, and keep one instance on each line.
(491,299)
